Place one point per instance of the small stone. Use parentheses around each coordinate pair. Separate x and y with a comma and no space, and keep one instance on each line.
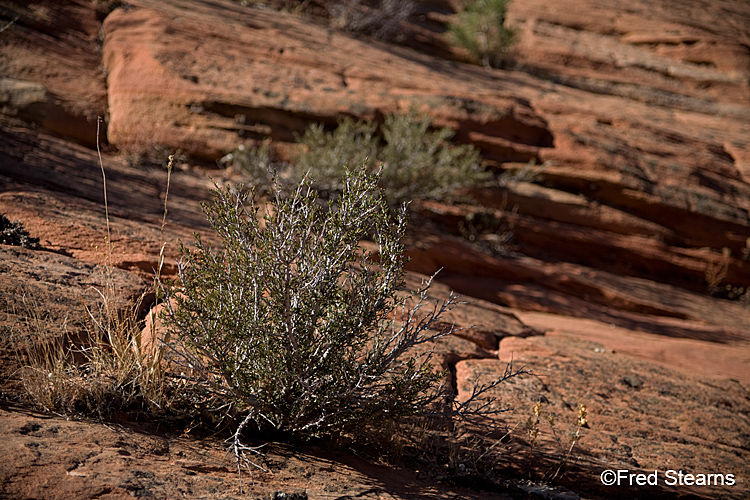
(632,381)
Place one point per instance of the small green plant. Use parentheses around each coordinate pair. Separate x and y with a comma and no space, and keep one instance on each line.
(303,329)
(481,31)
(13,233)
(417,162)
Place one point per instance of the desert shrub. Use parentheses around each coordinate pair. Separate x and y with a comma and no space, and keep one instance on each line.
(327,154)
(481,31)
(381,19)
(13,233)
(296,319)
(256,164)
(298,325)
(416,162)
(421,163)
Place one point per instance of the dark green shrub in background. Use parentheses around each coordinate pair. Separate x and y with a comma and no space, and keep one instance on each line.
(481,31)
(255,163)
(416,162)
(327,154)
(419,163)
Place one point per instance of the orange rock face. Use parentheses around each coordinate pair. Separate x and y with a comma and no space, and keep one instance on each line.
(617,273)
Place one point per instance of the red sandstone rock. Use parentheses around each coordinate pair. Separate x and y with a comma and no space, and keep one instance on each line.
(640,115)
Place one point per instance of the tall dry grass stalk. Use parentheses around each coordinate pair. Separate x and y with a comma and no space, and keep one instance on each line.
(106,367)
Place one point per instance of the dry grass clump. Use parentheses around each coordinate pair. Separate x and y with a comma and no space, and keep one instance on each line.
(105,367)
(99,371)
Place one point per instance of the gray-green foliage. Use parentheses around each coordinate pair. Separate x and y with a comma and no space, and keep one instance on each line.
(255,163)
(417,162)
(327,154)
(296,322)
(420,163)
(481,30)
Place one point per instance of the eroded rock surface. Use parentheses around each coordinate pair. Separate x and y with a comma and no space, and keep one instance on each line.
(638,112)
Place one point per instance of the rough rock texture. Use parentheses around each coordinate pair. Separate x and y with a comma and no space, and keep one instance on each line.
(57,190)
(642,416)
(50,67)
(58,458)
(644,189)
(638,111)
(657,52)
(261,73)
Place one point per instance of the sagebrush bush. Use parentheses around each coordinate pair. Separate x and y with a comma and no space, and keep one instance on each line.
(417,162)
(327,154)
(301,327)
(254,163)
(297,321)
(422,163)
(480,30)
